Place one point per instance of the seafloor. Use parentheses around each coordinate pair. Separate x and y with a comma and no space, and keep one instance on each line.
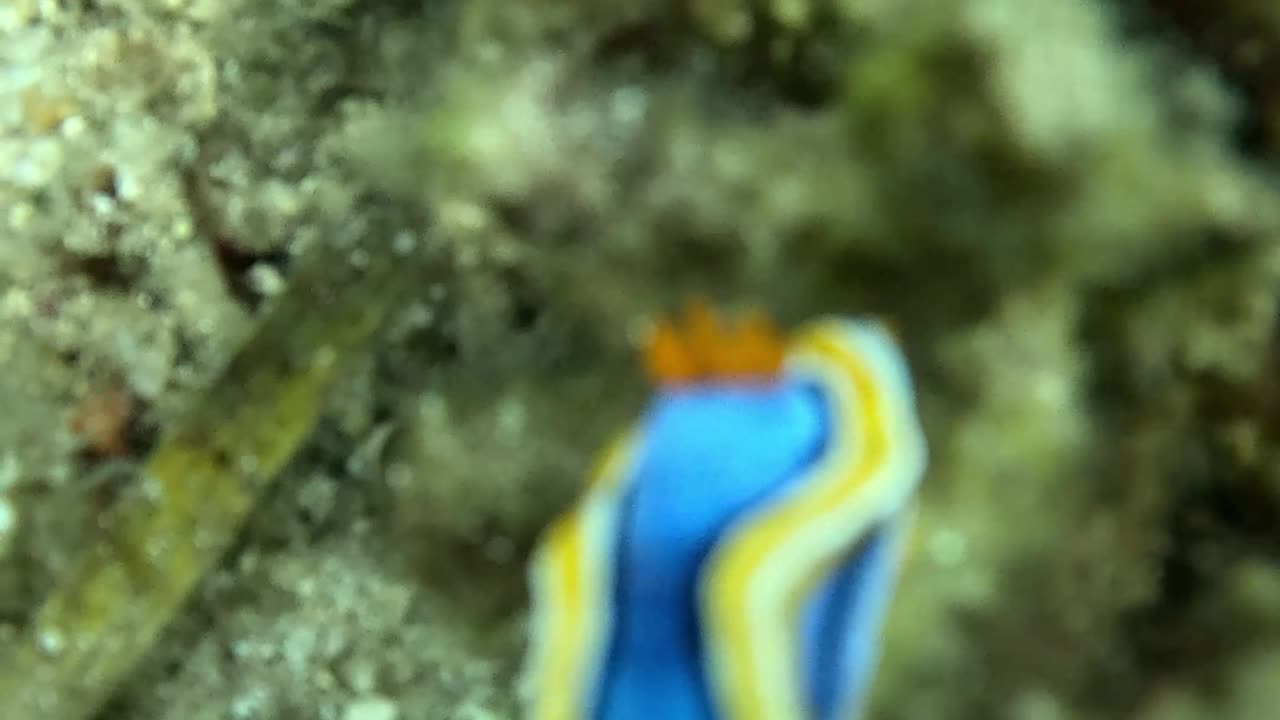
(459,214)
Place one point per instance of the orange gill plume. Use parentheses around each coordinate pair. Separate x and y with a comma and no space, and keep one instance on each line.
(701,346)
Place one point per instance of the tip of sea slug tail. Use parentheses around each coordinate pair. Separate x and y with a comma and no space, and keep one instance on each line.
(700,346)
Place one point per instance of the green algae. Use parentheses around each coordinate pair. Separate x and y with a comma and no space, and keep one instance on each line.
(196,489)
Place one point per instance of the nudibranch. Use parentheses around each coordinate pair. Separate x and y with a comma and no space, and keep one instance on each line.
(733,553)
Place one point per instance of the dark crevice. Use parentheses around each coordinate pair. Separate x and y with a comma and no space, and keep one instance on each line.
(233,261)
(1247,61)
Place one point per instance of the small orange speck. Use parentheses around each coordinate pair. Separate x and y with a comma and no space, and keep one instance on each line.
(102,420)
(699,346)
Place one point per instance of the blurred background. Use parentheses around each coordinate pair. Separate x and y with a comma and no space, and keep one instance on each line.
(1067,208)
